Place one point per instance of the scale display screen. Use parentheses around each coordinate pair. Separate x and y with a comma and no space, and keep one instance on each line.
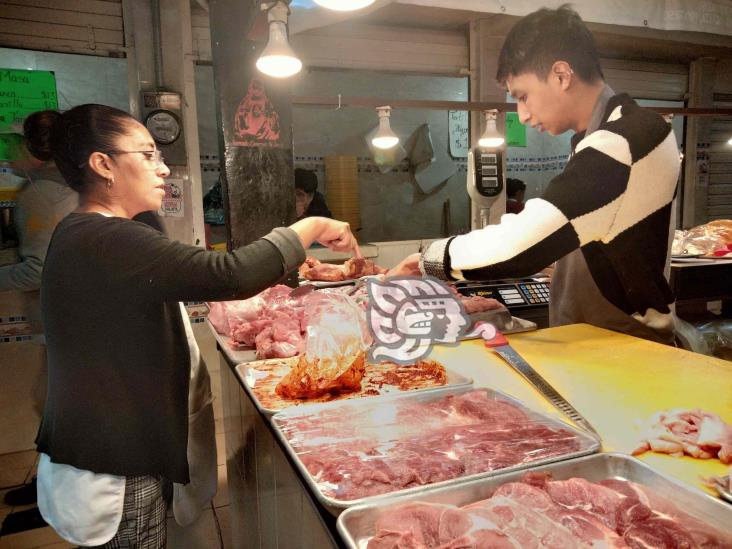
(522,293)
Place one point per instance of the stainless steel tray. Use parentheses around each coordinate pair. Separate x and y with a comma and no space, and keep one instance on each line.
(247,374)
(588,444)
(356,525)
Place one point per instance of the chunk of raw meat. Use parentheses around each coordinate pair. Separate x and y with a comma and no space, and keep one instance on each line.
(697,433)
(480,304)
(326,272)
(356,267)
(247,331)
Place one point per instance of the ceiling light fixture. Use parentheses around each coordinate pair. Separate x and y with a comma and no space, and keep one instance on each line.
(491,138)
(384,138)
(278,59)
(344,5)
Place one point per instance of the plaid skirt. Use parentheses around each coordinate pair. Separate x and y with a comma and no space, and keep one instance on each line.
(143,524)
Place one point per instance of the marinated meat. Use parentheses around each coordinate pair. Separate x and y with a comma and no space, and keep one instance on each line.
(538,512)
(314,378)
(379,378)
(696,433)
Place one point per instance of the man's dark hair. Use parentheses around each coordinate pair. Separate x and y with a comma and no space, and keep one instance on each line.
(306,180)
(544,37)
(513,186)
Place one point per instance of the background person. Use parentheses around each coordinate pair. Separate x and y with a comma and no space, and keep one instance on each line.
(43,201)
(308,200)
(605,218)
(515,191)
(115,426)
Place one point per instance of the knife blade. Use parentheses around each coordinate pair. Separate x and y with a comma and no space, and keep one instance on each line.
(500,345)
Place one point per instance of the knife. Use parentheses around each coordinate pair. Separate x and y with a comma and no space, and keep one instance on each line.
(500,345)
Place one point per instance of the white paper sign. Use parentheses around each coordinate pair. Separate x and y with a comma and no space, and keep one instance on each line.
(172,205)
(459,133)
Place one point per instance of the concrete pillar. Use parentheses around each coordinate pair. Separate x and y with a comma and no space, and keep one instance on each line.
(254,119)
(176,45)
(163,61)
(697,141)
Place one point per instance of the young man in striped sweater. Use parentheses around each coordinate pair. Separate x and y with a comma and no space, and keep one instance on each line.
(605,219)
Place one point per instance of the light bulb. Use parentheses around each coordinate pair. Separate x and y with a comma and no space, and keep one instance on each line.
(385,138)
(491,138)
(730,141)
(278,59)
(344,5)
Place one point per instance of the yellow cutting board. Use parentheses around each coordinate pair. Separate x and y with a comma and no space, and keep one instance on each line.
(616,381)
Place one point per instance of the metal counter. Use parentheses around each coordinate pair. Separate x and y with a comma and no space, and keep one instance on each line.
(270,505)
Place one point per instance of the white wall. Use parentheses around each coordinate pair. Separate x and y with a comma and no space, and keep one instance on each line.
(79,78)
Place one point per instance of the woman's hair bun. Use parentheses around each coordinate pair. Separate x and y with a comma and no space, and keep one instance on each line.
(37,129)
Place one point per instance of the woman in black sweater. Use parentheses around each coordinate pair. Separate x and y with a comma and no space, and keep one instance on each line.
(115,425)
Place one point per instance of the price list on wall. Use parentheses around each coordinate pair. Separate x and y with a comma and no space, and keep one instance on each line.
(23,92)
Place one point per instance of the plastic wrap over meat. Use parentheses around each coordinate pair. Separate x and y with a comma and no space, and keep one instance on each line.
(334,351)
(541,512)
(359,450)
(711,239)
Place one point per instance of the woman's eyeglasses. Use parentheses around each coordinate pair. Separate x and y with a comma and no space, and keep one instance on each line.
(155,156)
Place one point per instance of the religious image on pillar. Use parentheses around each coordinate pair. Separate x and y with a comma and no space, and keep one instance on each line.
(256,123)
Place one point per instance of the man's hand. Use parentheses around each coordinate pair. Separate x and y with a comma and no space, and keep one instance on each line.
(409,266)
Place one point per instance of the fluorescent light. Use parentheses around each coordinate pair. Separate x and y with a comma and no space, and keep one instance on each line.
(344,5)
(278,59)
(384,138)
(491,138)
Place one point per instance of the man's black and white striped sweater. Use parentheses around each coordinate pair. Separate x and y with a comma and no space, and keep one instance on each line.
(613,201)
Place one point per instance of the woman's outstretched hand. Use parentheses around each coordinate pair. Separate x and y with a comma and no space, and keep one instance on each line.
(332,233)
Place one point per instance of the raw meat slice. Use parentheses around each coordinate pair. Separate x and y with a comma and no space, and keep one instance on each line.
(419,522)
(525,515)
(578,493)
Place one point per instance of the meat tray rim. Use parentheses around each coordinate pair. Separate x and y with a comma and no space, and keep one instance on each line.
(353,523)
(588,444)
(454,379)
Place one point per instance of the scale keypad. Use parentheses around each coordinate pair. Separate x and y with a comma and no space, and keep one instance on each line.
(535,292)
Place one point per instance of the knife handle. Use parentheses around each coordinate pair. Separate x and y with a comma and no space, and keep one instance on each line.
(496,341)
